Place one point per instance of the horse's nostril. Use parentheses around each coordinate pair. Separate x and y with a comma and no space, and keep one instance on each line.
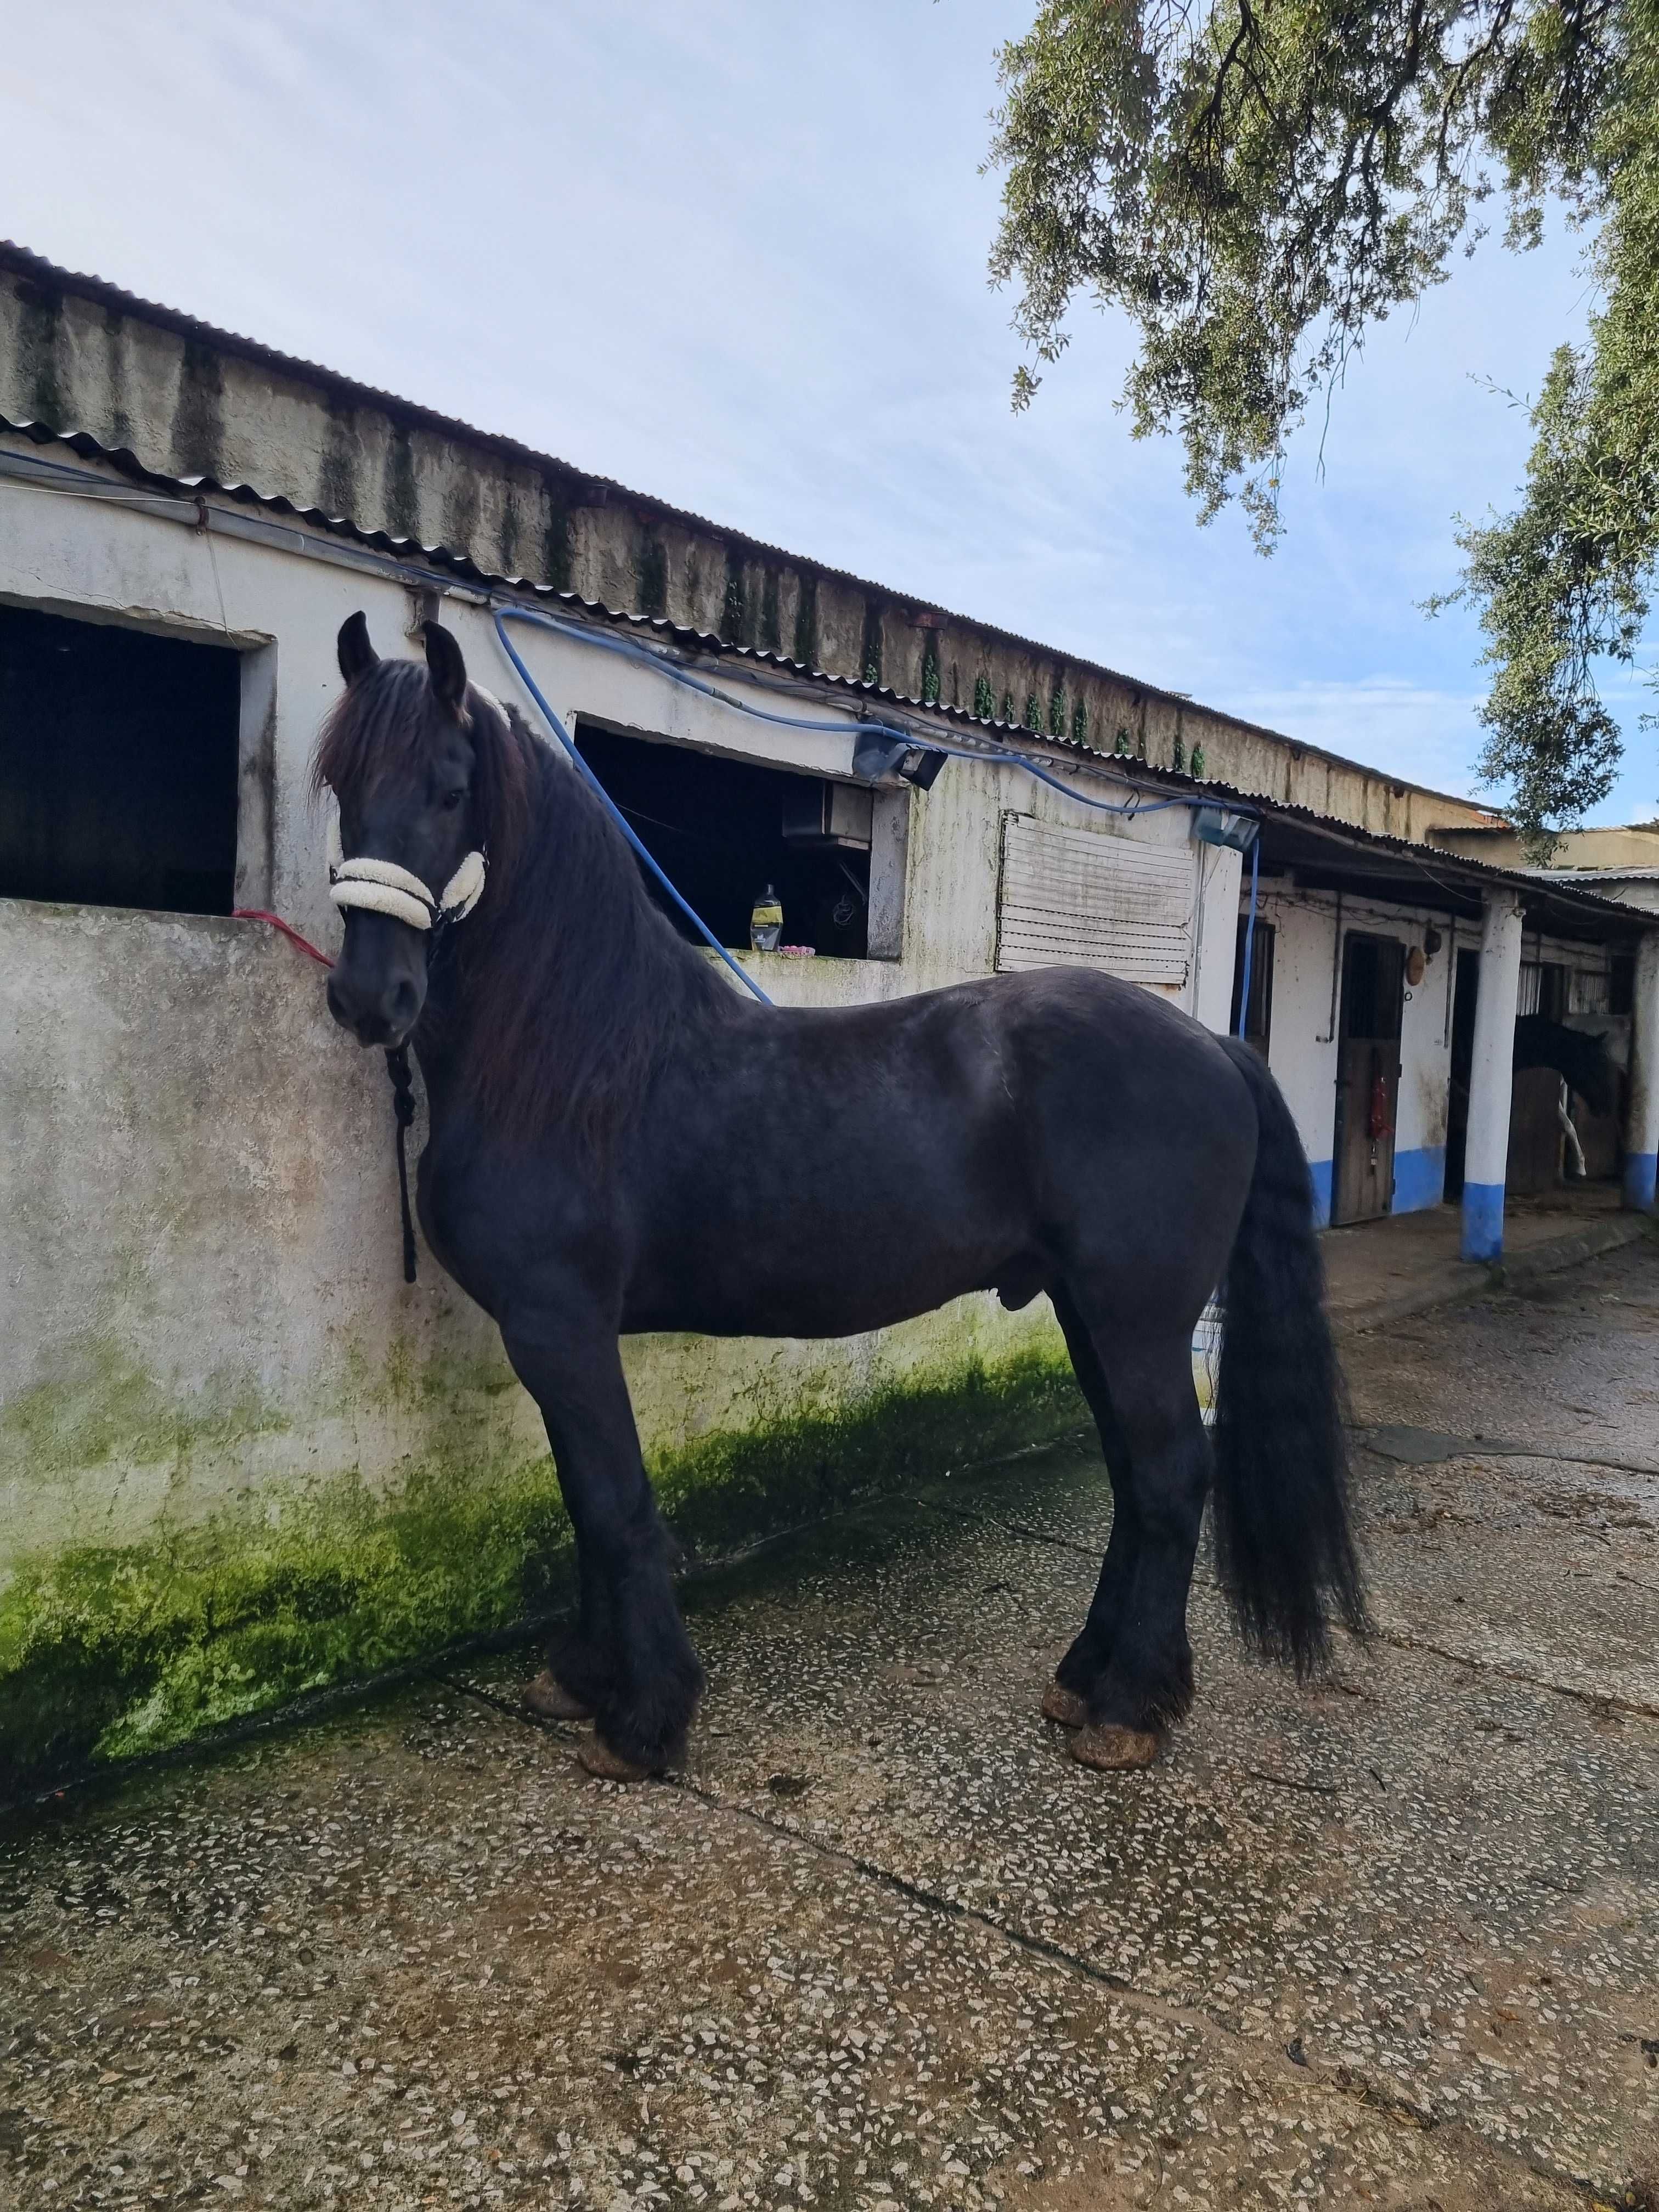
(336,1005)
(403,1005)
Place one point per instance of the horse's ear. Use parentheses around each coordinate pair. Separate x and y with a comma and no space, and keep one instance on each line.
(445,666)
(356,655)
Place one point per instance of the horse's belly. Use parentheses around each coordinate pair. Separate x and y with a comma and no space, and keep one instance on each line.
(831,1288)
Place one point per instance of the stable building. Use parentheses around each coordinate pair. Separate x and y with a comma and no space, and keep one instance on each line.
(240,1459)
(1374,955)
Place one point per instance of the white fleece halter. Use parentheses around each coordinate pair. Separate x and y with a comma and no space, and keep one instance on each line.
(382,887)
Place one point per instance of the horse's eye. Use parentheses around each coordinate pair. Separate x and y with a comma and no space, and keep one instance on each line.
(451,800)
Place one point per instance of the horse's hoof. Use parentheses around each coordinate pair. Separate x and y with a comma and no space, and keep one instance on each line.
(1063,1705)
(548,1698)
(1113,1750)
(608,1766)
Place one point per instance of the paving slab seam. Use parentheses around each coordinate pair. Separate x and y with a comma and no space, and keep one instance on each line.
(1598,1699)
(1341,2083)
(1367,1433)
(1013,1528)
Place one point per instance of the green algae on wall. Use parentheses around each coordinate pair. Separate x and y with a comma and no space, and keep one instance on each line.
(111,1408)
(110,1650)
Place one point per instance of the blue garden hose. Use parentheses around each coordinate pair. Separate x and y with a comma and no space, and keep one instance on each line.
(630,650)
(520,614)
(1249,942)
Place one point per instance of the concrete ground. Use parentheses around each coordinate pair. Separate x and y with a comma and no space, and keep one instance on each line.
(1381,1270)
(1393,1941)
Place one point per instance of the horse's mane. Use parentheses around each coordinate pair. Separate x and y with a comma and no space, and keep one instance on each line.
(568,983)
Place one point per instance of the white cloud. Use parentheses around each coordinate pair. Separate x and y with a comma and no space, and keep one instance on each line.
(1412,729)
(736,258)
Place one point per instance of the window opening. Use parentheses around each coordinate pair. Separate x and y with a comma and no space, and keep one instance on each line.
(1372,998)
(119,766)
(726,829)
(1259,1025)
(1542,989)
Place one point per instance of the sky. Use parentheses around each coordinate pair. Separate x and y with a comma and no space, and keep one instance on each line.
(735,257)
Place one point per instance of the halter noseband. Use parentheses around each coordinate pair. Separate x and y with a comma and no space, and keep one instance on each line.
(382,887)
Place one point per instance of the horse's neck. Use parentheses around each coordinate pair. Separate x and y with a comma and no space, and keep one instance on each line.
(599,920)
(440,1046)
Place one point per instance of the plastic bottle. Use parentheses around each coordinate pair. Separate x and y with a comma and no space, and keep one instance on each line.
(766,922)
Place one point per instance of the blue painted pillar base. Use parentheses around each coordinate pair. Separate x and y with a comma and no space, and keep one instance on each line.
(1641,1180)
(1483,1221)
(1321,1172)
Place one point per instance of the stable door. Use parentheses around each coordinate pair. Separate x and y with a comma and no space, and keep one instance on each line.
(1367,1077)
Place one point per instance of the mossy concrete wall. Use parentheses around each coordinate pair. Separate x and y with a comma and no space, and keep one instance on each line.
(239,1458)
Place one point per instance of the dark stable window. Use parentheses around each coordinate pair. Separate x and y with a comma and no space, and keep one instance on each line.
(1542,989)
(725,831)
(1621,983)
(1373,974)
(119,756)
(1260,1021)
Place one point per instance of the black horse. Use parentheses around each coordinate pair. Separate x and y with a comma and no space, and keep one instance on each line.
(1580,1058)
(622,1141)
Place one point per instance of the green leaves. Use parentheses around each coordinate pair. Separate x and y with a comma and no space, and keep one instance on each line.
(1565,581)
(1256,183)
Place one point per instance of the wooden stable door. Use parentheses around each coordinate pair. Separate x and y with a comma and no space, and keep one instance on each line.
(1367,1077)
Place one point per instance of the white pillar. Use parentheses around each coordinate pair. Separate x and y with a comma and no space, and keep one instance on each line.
(1486,1161)
(1642,1129)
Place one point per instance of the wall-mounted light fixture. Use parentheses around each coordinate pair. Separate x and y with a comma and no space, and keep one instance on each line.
(1219,825)
(880,754)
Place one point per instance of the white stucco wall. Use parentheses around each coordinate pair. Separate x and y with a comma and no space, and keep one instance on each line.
(1303,1048)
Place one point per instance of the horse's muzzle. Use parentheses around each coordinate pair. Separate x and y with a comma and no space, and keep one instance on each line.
(383,1016)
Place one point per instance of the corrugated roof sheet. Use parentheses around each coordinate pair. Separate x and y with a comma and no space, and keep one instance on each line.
(1429,861)
(21,262)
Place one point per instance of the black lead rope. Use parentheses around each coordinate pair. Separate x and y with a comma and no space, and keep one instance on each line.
(402,1094)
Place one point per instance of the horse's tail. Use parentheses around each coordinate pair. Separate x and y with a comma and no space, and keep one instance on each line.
(1284,1544)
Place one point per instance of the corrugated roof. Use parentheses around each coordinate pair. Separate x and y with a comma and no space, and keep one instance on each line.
(1432,863)
(34,268)
(1438,869)
(1631,875)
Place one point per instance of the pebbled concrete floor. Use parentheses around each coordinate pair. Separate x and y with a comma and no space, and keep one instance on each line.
(1392,1940)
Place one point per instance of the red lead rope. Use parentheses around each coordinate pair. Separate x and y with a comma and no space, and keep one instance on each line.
(258,914)
(1381,1125)
(397,1067)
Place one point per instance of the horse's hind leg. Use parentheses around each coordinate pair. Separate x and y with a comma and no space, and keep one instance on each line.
(1066,1698)
(1143,1678)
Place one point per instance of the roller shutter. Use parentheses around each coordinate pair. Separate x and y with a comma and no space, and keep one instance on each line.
(1083,898)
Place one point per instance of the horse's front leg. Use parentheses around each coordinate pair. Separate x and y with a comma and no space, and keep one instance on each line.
(1574,1150)
(572,1686)
(630,1662)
